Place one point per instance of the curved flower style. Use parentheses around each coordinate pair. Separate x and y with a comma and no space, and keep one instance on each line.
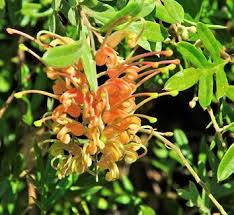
(98,128)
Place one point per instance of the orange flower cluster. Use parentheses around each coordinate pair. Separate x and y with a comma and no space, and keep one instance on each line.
(100,128)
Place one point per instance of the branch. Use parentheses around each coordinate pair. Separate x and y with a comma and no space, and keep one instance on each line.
(188,166)
(216,126)
(8,102)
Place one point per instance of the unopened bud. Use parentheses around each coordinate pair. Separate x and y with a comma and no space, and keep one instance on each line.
(192,29)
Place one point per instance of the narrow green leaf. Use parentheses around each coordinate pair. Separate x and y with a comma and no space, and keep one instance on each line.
(192,54)
(131,9)
(89,65)
(171,12)
(226,166)
(230,92)
(221,82)
(63,56)
(205,91)
(183,80)
(209,41)
(127,184)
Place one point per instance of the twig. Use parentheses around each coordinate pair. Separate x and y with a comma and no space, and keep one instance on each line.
(8,102)
(216,126)
(188,166)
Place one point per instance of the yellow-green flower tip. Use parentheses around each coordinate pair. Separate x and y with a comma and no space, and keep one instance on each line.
(153,119)
(174,93)
(154,95)
(169,53)
(22,47)
(10,31)
(38,123)
(18,95)
(171,66)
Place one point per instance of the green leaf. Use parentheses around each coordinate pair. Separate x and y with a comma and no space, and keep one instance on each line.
(183,80)
(147,7)
(127,184)
(24,75)
(4,84)
(123,199)
(191,194)
(230,92)
(89,65)
(151,31)
(30,9)
(27,117)
(132,9)
(102,204)
(56,4)
(63,56)
(209,41)
(226,166)
(146,210)
(171,12)
(192,54)
(182,142)
(205,91)
(221,82)
(72,16)
(2,4)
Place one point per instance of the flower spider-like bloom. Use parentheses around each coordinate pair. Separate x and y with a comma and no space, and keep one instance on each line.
(98,129)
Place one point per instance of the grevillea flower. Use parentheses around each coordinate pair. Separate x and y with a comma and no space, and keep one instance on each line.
(96,130)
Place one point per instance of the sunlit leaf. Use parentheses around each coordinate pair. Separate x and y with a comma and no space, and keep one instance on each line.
(209,41)
(123,199)
(183,80)
(2,4)
(230,92)
(146,210)
(63,56)
(89,65)
(205,91)
(192,54)
(4,84)
(132,9)
(147,7)
(221,82)
(171,12)
(226,166)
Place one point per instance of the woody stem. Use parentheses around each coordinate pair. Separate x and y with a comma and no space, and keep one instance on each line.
(188,166)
